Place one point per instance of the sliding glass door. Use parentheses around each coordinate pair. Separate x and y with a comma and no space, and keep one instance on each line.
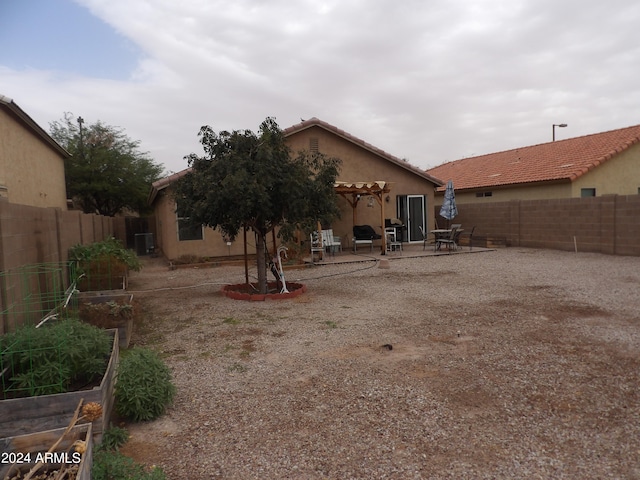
(412,211)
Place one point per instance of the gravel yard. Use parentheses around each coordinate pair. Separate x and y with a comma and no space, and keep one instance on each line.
(514,363)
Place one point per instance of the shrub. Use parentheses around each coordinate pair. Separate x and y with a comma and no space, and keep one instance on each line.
(110,465)
(113,438)
(97,251)
(54,357)
(143,385)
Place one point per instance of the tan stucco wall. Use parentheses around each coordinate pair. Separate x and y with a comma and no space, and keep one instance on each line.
(361,165)
(212,244)
(31,172)
(358,164)
(541,192)
(619,175)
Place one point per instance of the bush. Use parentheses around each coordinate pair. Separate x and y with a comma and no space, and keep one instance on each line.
(98,251)
(54,357)
(113,438)
(110,465)
(143,385)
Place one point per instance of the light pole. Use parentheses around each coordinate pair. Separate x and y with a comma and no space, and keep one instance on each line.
(553,129)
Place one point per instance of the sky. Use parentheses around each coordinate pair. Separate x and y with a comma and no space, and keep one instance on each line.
(427,81)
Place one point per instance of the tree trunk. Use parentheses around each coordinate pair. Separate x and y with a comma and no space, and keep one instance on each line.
(262,263)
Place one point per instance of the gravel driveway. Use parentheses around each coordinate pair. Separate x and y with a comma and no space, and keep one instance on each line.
(515,363)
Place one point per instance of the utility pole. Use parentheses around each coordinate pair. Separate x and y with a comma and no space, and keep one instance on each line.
(81,146)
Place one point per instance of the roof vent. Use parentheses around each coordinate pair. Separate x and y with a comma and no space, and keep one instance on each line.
(566,165)
(495,175)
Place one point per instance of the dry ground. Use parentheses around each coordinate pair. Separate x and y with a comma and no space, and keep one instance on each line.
(514,363)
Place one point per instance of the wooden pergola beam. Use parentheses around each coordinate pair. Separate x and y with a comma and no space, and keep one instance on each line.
(352,192)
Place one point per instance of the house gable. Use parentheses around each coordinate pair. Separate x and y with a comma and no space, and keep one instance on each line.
(364,163)
(357,155)
(31,162)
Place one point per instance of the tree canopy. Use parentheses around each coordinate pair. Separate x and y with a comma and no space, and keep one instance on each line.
(252,180)
(106,173)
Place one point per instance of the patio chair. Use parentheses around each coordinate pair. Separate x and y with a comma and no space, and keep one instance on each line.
(449,240)
(424,234)
(315,243)
(331,242)
(469,236)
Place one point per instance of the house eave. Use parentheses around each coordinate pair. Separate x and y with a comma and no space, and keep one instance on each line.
(315,122)
(24,118)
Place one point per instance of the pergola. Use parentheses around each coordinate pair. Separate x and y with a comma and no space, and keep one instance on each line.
(353,192)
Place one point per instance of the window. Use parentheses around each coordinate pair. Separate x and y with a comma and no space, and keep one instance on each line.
(187,230)
(587,192)
(484,194)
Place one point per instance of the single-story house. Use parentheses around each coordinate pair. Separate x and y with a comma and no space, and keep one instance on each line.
(31,162)
(373,186)
(592,165)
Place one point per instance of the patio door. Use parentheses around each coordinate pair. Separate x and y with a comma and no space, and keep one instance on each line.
(411,210)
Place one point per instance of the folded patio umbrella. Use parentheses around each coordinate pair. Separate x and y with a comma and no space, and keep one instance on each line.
(449,209)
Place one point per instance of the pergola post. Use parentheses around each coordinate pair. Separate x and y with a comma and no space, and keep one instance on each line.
(358,189)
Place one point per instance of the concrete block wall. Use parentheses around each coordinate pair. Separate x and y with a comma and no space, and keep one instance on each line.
(32,235)
(627,225)
(609,224)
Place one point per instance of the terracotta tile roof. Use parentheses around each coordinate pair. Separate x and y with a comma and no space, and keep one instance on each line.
(315,122)
(562,160)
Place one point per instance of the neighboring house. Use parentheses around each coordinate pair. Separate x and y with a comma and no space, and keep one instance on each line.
(31,162)
(592,165)
(407,194)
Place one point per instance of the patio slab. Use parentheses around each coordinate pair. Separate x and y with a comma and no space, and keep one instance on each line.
(408,251)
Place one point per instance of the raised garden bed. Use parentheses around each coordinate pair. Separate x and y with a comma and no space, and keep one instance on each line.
(34,445)
(102,274)
(22,416)
(107,309)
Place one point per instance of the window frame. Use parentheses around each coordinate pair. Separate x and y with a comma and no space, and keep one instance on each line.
(183,224)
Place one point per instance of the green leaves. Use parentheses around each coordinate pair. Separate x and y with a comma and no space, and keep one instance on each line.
(113,465)
(143,385)
(113,438)
(106,173)
(252,180)
(52,358)
(109,248)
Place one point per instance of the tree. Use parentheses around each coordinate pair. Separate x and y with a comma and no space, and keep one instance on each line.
(251,181)
(106,173)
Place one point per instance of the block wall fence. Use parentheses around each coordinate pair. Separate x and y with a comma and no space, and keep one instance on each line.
(609,224)
(33,236)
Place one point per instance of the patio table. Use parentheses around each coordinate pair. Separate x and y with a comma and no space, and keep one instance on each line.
(443,234)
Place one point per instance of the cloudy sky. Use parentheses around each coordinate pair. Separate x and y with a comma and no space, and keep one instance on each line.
(428,81)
